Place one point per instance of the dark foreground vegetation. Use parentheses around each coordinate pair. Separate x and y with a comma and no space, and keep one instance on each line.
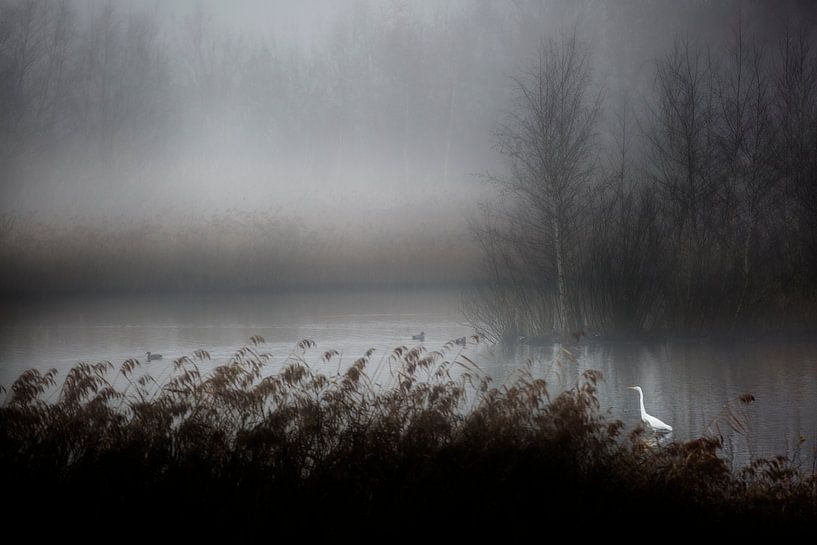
(312,450)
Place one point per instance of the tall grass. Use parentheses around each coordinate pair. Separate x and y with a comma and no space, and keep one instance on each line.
(401,442)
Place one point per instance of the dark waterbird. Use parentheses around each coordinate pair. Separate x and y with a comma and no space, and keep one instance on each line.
(421,336)
(152,357)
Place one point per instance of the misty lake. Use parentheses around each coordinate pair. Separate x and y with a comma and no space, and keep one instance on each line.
(686,384)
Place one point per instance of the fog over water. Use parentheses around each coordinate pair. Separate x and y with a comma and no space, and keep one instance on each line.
(687,384)
(357,124)
(304,262)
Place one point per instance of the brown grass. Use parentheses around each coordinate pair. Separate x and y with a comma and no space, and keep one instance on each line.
(312,448)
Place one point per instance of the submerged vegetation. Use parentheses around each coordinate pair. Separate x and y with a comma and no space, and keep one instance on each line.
(405,440)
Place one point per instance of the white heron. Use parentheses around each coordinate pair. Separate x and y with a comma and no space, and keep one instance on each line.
(647,419)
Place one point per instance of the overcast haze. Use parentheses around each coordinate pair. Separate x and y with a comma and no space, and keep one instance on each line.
(360,125)
(314,263)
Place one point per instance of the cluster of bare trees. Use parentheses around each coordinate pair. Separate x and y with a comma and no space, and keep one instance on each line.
(71,86)
(698,219)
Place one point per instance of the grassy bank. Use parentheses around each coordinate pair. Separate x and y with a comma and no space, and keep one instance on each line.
(396,442)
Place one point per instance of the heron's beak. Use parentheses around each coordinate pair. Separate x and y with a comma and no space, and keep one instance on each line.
(631,387)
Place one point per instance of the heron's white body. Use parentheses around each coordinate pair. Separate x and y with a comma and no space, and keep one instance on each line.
(650,420)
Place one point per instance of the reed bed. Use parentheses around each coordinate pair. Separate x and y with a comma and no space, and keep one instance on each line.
(315,449)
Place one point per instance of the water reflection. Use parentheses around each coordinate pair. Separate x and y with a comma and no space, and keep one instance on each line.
(696,387)
(690,386)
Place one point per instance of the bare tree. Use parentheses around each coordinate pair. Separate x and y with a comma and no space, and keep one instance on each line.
(624,266)
(548,142)
(796,121)
(682,165)
(745,148)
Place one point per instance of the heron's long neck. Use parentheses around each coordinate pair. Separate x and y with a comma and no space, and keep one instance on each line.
(641,402)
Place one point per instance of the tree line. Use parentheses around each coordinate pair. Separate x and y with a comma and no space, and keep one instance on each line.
(680,201)
(697,217)
(383,90)
(126,94)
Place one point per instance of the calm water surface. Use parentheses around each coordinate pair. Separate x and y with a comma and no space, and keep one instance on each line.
(687,385)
